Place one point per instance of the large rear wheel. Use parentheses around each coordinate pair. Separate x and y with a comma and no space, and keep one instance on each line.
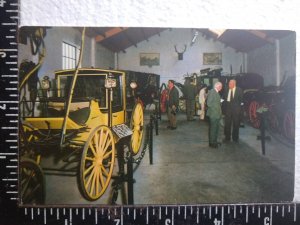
(97,163)
(253,116)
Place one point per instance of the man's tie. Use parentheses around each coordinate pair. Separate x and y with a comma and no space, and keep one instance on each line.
(231,95)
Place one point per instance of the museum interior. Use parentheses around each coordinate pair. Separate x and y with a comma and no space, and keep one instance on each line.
(97,125)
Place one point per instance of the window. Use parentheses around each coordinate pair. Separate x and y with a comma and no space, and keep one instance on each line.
(70,55)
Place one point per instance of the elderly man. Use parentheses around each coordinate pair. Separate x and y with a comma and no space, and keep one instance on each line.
(214,112)
(233,101)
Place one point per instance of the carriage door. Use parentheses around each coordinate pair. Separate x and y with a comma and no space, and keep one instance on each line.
(118,114)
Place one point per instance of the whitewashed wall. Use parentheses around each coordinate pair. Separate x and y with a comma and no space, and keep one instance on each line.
(263,60)
(53,61)
(172,68)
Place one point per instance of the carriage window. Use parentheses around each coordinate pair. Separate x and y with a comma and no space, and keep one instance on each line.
(117,104)
(87,86)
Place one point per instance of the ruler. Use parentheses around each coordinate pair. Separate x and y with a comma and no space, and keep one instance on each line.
(11,213)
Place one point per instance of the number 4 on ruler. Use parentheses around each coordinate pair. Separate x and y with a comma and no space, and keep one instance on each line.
(2,2)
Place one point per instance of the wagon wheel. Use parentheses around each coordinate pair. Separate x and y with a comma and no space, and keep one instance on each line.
(32,184)
(254,119)
(97,162)
(137,127)
(289,125)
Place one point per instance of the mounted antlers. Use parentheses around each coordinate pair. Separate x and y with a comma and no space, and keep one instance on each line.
(180,54)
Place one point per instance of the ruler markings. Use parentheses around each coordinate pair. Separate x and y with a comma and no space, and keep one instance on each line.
(96,216)
(247,214)
(147,215)
(70,215)
(172,216)
(45,216)
(222,218)
(197,215)
(234,212)
(295,212)
(11,10)
(2,157)
(271,215)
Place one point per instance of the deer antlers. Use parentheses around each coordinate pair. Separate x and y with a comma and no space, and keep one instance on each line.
(180,54)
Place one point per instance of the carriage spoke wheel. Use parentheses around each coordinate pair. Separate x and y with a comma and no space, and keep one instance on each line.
(137,127)
(255,121)
(97,163)
(32,185)
(289,125)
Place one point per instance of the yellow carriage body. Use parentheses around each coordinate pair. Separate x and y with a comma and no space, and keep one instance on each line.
(89,107)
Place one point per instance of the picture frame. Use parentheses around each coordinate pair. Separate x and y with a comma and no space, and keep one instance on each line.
(214,58)
(149,59)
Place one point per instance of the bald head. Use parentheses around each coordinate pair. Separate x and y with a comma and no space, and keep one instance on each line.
(218,86)
(231,84)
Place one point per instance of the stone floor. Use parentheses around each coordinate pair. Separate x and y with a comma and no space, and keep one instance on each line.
(186,171)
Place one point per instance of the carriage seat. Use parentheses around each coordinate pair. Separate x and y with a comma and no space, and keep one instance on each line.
(79,111)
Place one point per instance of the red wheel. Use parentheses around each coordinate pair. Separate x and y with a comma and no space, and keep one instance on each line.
(289,125)
(163,100)
(253,117)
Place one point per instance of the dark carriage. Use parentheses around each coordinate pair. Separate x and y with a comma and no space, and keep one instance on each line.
(279,104)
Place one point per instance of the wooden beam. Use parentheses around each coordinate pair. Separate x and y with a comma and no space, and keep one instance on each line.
(262,35)
(110,33)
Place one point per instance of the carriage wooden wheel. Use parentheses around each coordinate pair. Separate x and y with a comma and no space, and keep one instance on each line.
(137,127)
(289,125)
(97,162)
(254,119)
(32,183)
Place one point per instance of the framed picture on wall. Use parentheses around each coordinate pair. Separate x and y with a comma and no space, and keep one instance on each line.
(214,58)
(149,59)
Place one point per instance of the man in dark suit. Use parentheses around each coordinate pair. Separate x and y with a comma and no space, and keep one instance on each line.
(172,104)
(233,100)
(214,112)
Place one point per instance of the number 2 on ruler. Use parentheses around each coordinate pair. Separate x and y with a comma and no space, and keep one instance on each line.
(3,107)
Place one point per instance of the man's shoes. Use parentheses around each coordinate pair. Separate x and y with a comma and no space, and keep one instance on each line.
(168,127)
(173,128)
(213,145)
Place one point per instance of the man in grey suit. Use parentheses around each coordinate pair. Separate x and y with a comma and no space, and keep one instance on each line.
(214,112)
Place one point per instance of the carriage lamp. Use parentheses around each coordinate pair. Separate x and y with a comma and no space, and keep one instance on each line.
(110,81)
(133,84)
(46,85)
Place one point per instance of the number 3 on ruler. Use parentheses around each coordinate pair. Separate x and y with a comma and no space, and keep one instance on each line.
(3,107)
(2,2)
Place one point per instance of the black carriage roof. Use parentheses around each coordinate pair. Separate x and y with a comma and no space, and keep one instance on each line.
(83,71)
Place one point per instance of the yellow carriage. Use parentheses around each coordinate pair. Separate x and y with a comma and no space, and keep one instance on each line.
(83,111)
